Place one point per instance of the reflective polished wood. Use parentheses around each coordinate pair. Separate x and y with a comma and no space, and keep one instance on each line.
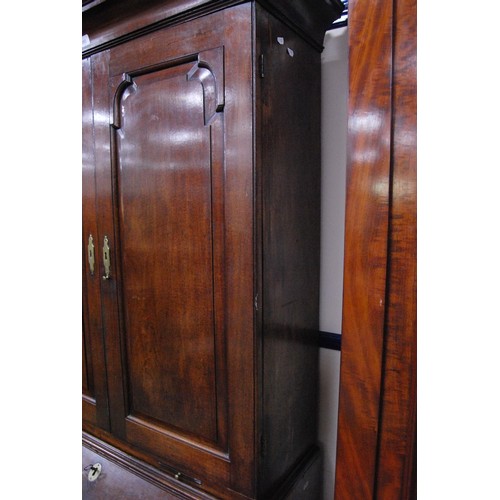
(377,407)
(204,195)
(396,468)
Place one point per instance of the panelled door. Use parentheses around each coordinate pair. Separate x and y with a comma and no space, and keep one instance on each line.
(174,208)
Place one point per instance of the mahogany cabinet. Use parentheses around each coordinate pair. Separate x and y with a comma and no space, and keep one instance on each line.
(201,183)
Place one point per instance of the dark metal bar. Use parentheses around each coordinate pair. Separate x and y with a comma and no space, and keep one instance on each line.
(329,340)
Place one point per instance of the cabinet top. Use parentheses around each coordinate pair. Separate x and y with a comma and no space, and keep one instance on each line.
(109,22)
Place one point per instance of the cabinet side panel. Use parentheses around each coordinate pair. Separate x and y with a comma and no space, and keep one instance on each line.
(290,170)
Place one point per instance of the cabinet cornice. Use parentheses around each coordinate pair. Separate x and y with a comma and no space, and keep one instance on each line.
(113,22)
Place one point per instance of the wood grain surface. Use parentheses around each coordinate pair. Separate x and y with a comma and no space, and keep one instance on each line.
(376,433)
(366,233)
(203,192)
(396,473)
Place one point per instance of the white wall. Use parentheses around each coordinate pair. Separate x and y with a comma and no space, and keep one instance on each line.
(333,138)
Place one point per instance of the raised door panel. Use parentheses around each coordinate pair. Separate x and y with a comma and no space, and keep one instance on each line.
(289,161)
(169,164)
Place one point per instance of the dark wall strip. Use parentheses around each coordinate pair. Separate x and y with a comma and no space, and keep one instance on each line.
(329,340)
(342,20)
